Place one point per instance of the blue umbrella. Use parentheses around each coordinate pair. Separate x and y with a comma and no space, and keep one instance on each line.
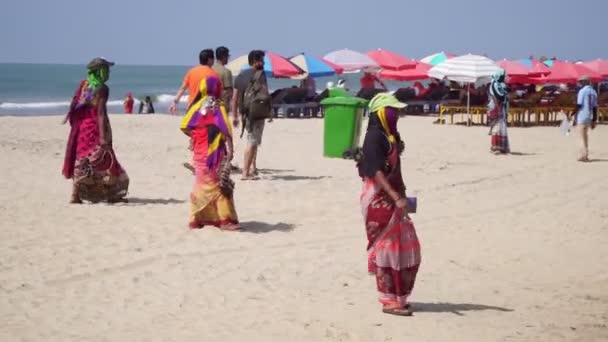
(315,67)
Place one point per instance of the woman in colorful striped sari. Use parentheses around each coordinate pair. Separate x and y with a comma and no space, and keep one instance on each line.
(393,247)
(90,159)
(498,109)
(209,128)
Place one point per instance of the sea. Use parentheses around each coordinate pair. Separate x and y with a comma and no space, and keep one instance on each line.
(47,89)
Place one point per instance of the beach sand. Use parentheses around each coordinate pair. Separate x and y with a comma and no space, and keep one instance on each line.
(514,247)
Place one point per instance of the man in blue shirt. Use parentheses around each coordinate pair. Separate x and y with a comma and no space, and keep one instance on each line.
(586,117)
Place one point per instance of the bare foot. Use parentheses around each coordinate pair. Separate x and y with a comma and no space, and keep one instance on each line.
(231,227)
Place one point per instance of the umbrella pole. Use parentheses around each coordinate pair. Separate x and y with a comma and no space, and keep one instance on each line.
(469,104)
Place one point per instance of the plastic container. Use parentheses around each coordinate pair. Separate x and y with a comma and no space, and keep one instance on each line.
(342,125)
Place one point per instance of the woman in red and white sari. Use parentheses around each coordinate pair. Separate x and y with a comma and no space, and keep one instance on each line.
(393,247)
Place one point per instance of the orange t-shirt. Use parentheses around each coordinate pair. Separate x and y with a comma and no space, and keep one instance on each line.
(193,78)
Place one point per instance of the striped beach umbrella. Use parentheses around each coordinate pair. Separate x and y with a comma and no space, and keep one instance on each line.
(316,66)
(466,69)
(274,65)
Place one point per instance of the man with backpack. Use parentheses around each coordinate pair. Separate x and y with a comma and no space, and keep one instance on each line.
(251,98)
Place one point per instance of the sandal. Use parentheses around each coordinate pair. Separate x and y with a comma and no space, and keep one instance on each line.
(397,311)
(189,167)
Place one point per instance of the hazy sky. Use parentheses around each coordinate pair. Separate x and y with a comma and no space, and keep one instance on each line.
(173,31)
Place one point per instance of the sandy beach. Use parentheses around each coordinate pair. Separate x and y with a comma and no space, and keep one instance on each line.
(514,247)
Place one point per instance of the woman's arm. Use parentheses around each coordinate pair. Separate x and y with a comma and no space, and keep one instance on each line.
(102,114)
(229,148)
(398,198)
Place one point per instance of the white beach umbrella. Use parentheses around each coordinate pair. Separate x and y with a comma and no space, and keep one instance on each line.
(466,69)
(352,61)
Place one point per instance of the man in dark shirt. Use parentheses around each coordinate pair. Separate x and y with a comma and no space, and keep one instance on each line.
(254,129)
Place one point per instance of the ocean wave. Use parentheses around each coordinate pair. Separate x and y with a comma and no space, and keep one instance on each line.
(162,98)
(33,105)
(168,98)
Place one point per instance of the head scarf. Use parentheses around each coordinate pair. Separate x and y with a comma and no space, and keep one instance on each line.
(498,88)
(96,77)
(208,109)
(383,108)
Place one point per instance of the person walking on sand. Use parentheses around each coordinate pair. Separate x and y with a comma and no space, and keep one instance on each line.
(222,55)
(393,247)
(192,81)
(251,99)
(586,116)
(128,104)
(498,109)
(90,160)
(207,124)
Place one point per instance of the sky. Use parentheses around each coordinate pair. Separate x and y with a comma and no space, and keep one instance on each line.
(172,32)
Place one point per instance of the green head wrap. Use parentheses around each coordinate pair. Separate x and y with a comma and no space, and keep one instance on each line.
(97,77)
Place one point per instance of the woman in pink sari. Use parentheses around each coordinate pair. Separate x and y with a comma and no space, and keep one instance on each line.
(207,124)
(393,247)
(90,159)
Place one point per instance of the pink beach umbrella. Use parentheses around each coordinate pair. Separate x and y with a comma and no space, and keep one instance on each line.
(599,65)
(391,60)
(351,61)
(566,72)
(419,72)
(513,68)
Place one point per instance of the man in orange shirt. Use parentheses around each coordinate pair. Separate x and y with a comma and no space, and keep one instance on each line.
(192,82)
(193,78)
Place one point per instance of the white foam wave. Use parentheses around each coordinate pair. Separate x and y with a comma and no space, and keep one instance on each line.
(33,105)
(162,98)
(168,98)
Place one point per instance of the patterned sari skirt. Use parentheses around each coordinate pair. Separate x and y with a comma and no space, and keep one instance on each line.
(95,170)
(212,202)
(393,247)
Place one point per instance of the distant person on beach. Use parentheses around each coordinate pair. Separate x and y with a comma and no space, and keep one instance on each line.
(393,248)
(90,160)
(193,78)
(251,96)
(586,116)
(207,124)
(498,109)
(369,81)
(368,86)
(311,87)
(192,81)
(128,104)
(146,106)
(222,55)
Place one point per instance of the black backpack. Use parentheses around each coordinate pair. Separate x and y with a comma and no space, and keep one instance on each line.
(256,99)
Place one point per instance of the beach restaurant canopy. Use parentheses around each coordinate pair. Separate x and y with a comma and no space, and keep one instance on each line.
(274,66)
